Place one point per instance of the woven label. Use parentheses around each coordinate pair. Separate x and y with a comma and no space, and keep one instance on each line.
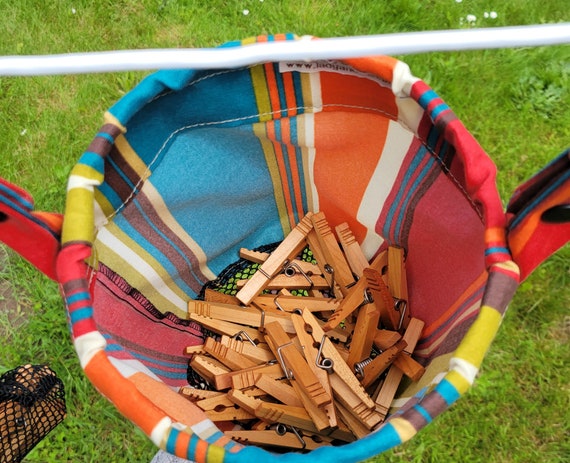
(326,66)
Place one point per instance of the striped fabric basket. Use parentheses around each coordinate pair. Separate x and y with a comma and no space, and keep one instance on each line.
(192,165)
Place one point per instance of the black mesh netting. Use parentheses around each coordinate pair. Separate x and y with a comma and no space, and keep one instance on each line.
(32,403)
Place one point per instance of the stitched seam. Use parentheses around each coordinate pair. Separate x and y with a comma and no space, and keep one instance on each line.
(271,113)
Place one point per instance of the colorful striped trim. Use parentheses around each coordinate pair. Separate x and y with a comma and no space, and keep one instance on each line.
(281,99)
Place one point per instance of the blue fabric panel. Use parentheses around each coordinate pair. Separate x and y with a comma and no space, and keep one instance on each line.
(218,97)
(197,180)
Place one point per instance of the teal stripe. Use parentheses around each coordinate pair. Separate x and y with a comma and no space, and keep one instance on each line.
(106,136)
(81,314)
(93,160)
(422,411)
(425,99)
(438,110)
(448,391)
(82,296)
(171,440)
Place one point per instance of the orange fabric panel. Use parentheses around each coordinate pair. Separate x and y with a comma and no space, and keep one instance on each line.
(343,168)
(123,393)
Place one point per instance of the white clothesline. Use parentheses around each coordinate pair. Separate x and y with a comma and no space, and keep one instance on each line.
(305,50)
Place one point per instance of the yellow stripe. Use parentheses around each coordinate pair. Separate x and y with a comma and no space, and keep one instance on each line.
(404,429)
(163,212)
(459,382)
(249,40)
(306,90)
(78,218)
(474,345)
(215,454)
(130,155)
(134,277)
(261,92)
(508,265)
(110,119)
(83,170)
(269,152)
(104,203)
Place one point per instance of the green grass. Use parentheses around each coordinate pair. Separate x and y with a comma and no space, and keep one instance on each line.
(513,101)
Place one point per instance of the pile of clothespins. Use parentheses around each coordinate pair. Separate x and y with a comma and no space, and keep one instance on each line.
(320,369)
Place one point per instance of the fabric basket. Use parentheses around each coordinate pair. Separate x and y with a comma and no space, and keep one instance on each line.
(192,165)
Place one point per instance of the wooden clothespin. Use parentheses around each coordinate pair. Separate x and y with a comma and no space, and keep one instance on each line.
(353,299)
(210,403)
(224,327)
(291,303)
(404,361)
(317,414)
(296,281)
(208,367)
(301,266)
(245,401)
(194,350)
(398,284)
(371,370)
(339,366)
(249,316)
(346,396)
(319,368)
(211,295)
(278,389)
(352,250)
(381,298)
(368,317)
(288,440)
(257,353)
(354,424)
(380,264)
(221,408)
(286,414)
(289,248)
(194,394)
(229,357)
(256,257)
(332,253)
(388,389)
(294,365)
(246,378)
(384,339)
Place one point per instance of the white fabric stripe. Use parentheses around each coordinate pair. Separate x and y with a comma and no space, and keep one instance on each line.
(130,367)
(87,345)
(159,432)
(164,213)
(141,266)
(205,429)
(77,181)
(100,219)
(309,142)
(381,182)
(402,80)
(464,368)
(316,96)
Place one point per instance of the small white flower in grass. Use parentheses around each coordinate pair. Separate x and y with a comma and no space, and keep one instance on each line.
(486,14)
(245,12)
(471,18)
(458,1)
(73,11)
(24,132)
(493,15)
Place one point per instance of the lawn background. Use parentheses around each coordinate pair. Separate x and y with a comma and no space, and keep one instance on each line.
(514,101)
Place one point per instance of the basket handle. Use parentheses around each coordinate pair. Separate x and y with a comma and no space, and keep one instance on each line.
(35,235)
(539,215)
